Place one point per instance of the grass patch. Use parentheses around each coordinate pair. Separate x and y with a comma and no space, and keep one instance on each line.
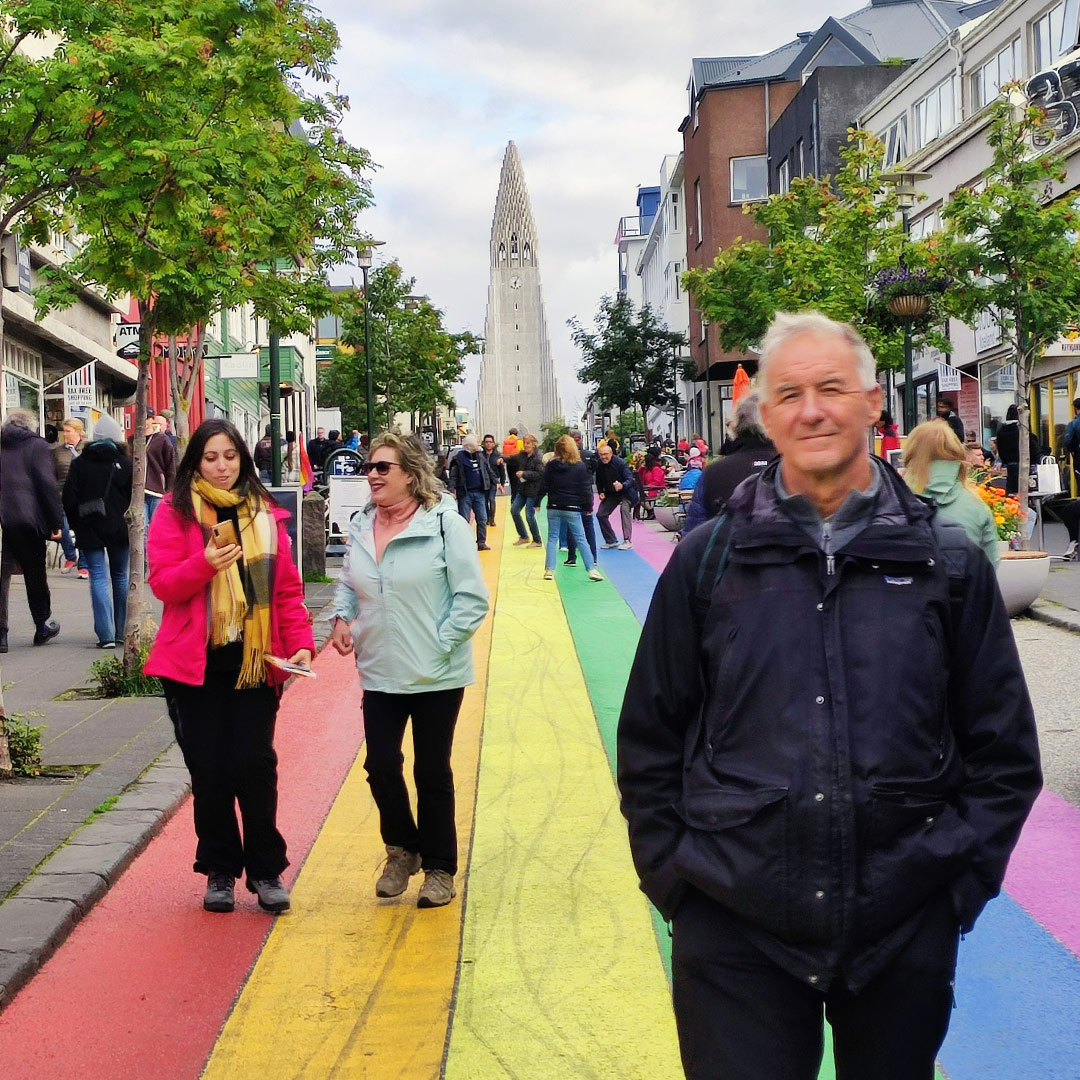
(102,808)
(311,578)
(113,681)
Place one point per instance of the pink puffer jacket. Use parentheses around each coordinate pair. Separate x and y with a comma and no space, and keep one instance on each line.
(179,576)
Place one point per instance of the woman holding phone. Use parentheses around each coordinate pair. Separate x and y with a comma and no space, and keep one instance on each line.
(220,563)
(408,601)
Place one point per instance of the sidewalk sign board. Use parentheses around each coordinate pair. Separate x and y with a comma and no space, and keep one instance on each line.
(290,497)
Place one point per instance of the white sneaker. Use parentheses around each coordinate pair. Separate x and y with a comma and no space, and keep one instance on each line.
(549,574)
(595,575)
(613,544)
(625,545)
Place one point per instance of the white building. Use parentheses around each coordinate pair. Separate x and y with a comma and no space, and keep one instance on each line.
(660,263)
(937,114)
(517,386)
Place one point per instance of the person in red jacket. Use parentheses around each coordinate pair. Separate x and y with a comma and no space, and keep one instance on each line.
(228,609)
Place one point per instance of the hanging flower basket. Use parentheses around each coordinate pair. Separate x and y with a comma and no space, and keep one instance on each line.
(908,306)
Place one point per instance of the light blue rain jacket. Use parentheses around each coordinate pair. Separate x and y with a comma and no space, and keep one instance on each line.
(415,611)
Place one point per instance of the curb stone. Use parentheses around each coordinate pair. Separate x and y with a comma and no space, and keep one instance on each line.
(65,887)
(1055,615)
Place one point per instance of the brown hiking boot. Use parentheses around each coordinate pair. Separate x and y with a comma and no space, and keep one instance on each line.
(400,866)
(437,890)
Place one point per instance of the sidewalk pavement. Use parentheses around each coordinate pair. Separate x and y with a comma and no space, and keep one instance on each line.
(1059,602)
(116,755)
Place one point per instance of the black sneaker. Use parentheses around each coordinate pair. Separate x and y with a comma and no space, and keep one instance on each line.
(273,896)
(482,547)
(46,631)
(219,892)
(3,641)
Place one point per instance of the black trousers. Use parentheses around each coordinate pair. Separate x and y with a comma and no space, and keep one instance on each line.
(492,494)
(589,525)
(227,738)
(25,547)
(742,1017)
(433,832)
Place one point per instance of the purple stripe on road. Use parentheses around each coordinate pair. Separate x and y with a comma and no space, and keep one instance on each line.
(1044,872)
(653,546)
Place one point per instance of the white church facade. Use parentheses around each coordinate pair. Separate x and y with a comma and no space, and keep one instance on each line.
(517,385)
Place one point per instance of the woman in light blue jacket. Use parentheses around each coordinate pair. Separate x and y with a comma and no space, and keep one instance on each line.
(409,600)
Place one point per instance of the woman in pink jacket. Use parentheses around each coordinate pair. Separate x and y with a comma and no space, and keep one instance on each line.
(228,607)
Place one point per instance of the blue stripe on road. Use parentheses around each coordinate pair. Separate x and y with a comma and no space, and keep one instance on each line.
(632,576)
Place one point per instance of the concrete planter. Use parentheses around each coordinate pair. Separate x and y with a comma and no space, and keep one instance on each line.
(671,517)
(1021,577)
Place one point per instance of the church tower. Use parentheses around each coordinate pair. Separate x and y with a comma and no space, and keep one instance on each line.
(517,380)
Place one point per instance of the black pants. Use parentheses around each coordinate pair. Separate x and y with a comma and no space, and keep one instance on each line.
(433,833)
(227,738)
(25,547)
(492,494)
(741,1017)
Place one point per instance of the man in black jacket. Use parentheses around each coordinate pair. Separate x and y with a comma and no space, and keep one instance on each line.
(615,485)
(749,453)
(820,802)
(30,514)
(470,481)
(946,410)
(497,468)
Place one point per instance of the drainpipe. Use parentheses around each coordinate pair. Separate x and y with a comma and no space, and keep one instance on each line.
(953,41)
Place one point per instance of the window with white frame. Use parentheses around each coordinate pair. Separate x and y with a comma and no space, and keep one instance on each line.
(697,207)
(895,139)
(674,211)
(936,113)
(987,81)
(749,178)
(783,176)
(926,224)
(1046,37)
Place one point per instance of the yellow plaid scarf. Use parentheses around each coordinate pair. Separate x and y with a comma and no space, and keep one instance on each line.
(241,606)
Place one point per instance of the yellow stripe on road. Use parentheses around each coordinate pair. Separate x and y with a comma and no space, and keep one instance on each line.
(560,972)
(349,985)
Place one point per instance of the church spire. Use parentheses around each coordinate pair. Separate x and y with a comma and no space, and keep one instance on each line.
(513,231)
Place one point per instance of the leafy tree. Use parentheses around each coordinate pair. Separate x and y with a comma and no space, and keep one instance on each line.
(552,431)
(629,356)
(1011,246)
(629,423)
(214,170)
(415,361)
(826,242)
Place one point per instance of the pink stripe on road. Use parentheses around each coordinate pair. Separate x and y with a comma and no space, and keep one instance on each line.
(653,546)
(1044,872)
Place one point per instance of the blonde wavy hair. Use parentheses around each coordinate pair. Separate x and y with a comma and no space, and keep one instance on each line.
(413,457)
(567,450)
(932,440)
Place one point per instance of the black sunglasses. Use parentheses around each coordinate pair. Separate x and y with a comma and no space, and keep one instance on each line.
(381,467)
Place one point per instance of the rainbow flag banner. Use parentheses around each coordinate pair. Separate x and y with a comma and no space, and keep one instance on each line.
(549,964)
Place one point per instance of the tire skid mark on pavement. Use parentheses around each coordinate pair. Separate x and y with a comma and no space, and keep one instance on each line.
(351,985)
(144,983)
(560,975)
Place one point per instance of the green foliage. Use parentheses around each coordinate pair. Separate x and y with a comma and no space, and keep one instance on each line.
(629,358)
(1012,247)
(553,430)
(114,680)
(825,242)
(312,578)
(631,422)
(102,807)
(24,744)
(415,361)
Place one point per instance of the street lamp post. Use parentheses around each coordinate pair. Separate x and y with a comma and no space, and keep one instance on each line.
(364,260)
(708,384)
(274,401)
(906,191)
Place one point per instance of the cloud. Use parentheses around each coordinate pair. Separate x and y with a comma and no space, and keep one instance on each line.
(592,93)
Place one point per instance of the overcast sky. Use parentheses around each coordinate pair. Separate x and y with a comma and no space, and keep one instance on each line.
(592,92)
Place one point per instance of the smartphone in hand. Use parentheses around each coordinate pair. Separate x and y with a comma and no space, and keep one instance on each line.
(224,533)
(289,667)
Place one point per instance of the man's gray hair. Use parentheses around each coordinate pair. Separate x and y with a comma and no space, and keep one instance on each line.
(788,325)
(23,418)
(471,443)
(746,420)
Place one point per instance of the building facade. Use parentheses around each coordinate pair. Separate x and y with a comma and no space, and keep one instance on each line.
(517,386)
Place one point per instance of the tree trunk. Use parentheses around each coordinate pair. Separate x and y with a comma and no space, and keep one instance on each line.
(184,389)
(136,514)
(1023,414)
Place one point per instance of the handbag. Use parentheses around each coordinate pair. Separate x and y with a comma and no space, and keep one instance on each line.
(96,507)
(1045,477)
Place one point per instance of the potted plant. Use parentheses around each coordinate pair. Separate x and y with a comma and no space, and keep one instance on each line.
(1021,574)
(909,293)
(669,511)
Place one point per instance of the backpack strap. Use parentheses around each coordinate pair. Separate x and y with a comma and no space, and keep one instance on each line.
(951,542)
(711,568)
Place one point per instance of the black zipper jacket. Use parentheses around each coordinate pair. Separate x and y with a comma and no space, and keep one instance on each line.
(838,742)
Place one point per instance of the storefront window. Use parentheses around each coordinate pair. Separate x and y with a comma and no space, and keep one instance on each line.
(20,393)
(998,393)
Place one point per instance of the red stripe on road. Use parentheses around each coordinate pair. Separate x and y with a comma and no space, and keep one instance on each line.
(145,982)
